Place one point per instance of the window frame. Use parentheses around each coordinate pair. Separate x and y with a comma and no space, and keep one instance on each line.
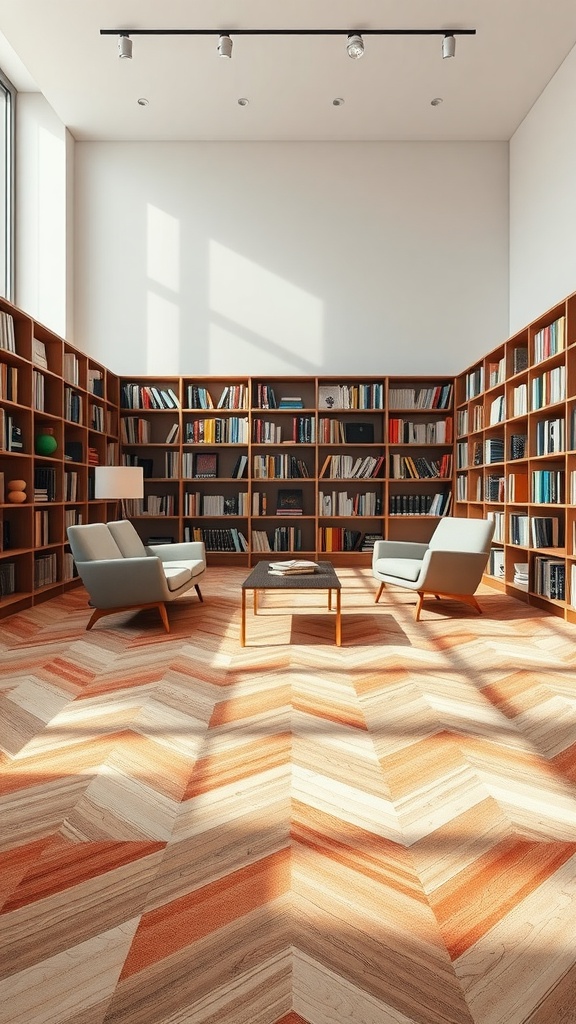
(8,129)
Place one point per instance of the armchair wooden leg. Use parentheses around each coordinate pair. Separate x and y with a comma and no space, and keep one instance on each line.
(380,589)
(164,616)
(464,598)
(96,614)
(198,591)
(99,613)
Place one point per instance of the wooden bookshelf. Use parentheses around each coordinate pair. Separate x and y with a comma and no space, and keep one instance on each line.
(326,440)
(250,462)
(515,455)
(47,389)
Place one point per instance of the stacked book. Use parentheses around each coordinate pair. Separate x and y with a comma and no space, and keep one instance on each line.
(294,567)
(291,402)
(521,575)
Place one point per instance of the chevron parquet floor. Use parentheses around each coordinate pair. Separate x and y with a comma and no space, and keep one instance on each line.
(382,833)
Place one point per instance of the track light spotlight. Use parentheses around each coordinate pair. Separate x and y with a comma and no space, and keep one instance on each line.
(225,45)
(355,46)
(124,45)
(448,46)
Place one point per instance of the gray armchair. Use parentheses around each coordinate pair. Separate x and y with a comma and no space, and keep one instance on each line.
(450,566)
(120,573)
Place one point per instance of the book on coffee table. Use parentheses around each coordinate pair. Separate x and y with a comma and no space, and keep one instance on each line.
(293,567)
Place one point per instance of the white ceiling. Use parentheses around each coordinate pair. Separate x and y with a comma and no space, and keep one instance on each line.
(290,81)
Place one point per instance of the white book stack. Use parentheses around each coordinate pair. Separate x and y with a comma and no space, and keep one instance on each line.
(521,575)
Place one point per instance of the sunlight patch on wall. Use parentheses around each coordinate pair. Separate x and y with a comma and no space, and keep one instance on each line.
(163,335)
(163,248)
(264,310)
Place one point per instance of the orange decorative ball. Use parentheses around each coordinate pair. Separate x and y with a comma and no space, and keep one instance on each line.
(16,491)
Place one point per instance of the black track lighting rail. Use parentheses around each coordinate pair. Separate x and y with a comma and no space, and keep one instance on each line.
(288,31)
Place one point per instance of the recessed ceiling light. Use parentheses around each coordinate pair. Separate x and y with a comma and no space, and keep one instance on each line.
(436,101)
(338,101)
(143,102)
(243,102)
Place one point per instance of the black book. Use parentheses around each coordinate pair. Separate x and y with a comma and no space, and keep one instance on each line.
(73,451)
(290,502)
(359,433)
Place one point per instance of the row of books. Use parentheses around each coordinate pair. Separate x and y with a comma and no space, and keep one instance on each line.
(340,503)
(7,573)
(134,430)
(71,368)
(10,433)
(302,430)
(233,396)
(347,467)
(8,382)
(438,397)
(550,340)
(496,372)
(7,336)
(549,577)
(550,436)
(351,396)
(535,531)
(408,432)
(96,382)
(148,396)
(281,466)
(44,484)
(490,451)
(336,538)
(198,504)
(73,406)
(549,388)
(403,467)
(45,569)
(420,504)
(217,539)
(217,430)
(151,505)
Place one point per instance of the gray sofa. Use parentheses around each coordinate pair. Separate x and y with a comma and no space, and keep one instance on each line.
(120,573)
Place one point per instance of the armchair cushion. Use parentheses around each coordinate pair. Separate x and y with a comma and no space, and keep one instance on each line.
(402,568)
(176,576)
(92,542)
(127,539)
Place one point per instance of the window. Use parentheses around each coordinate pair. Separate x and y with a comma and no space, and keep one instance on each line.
(7,101)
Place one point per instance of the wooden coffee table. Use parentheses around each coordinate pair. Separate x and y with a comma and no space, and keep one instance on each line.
(324,578)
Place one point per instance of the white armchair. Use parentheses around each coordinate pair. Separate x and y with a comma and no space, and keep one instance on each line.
(120,573)
(450,566)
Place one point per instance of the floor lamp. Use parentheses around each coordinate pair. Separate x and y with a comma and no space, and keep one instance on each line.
(118,483)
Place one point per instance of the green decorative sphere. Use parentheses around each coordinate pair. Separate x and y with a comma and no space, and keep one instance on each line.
(45,444)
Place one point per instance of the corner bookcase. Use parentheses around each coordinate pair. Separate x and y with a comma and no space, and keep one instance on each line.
(313,466)
(58,419)
(515,456)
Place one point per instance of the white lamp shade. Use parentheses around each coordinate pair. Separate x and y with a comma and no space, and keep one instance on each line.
(112,482)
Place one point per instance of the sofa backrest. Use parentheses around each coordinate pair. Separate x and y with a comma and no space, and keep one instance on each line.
(92,542)
(455,534)
(127,539)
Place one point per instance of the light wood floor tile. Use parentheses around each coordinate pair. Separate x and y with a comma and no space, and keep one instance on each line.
(192,832)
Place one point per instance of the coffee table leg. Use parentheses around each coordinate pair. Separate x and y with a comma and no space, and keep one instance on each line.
(329,600)
(338,620)
(243,621)
(255,602)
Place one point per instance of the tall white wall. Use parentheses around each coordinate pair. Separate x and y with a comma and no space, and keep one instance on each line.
(290,258)
(543,201)
(44,184)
